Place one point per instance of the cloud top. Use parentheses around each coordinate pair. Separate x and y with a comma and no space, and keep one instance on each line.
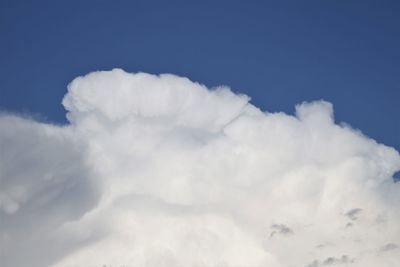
(115,95)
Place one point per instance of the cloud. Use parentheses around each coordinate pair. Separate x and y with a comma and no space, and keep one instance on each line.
(161,171)
(44,182)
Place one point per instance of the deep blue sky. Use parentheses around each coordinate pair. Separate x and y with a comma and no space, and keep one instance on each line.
(279,53)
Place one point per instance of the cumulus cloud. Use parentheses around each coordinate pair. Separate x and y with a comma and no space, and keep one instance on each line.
(161,171)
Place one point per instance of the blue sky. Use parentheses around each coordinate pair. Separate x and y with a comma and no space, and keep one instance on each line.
(278,53)
(156,170)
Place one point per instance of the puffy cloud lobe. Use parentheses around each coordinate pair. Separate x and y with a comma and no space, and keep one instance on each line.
(161,171)
(115,95)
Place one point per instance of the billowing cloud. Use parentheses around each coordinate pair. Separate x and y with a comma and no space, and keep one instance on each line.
(162,171)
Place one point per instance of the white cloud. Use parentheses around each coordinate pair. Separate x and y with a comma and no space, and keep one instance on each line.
(161,171)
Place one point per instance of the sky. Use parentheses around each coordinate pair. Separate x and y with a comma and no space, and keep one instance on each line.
(279,53)
(212,134)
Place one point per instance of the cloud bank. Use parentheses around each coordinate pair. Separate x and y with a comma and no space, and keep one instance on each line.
(161,171)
